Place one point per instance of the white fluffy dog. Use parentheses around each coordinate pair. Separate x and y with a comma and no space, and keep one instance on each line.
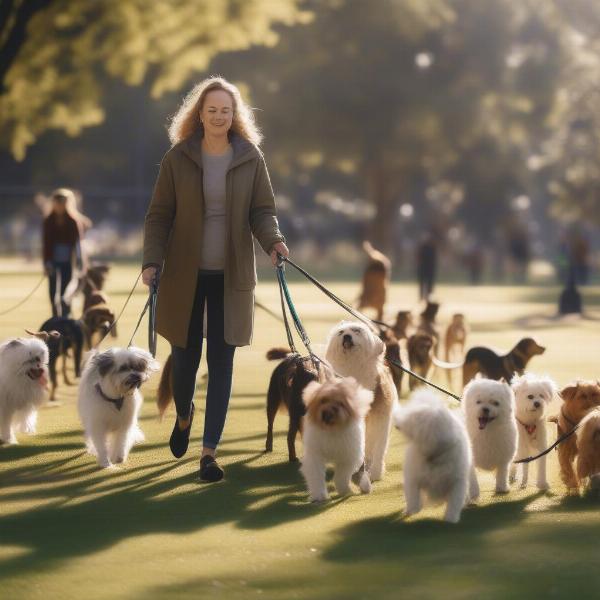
(23,385)
(353,350)
(489,408)
(438,459)
(533,394)
(334,432)
(110,400)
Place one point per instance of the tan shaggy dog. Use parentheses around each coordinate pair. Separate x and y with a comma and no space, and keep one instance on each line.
(588,448)
(578,400)
(375,280)
(353,350)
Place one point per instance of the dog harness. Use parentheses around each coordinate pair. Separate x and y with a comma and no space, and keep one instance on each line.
(118,402)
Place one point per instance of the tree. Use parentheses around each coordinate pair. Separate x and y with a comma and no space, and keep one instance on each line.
(54,54)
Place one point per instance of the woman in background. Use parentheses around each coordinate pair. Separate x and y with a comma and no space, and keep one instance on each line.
(63,229)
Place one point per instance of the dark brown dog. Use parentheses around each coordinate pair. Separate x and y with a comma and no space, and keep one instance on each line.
(375,280)
(392,353)
(288,380)
(480,359)
(428,325)
(404,322)
(420,356)
(97,319)
(579,399)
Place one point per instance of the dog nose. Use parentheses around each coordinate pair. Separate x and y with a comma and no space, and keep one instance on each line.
(327,416)
(485,410)
(536,404)
(347,338)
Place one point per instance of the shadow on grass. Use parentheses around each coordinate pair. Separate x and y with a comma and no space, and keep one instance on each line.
(113,505)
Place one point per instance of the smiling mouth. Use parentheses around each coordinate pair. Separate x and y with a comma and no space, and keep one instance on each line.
(37,374)
(485,421)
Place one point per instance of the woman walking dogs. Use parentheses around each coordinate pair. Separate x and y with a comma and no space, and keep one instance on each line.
(212,195)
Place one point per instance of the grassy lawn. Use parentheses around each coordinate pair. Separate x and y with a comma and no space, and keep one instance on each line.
(150,530)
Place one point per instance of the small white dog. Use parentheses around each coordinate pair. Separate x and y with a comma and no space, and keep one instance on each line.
(532,396)
(110,401)
(438,457)
(23,385)
(489,408)
(353,350)
(334,432)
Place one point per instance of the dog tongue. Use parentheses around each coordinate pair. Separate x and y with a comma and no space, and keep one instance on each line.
(483,421)
(43,380)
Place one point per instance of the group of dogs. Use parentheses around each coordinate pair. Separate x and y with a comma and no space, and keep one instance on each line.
(344,406)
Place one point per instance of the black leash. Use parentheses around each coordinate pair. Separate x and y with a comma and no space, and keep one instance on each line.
(562,438)
(151,306)
(33,291)
(358,315)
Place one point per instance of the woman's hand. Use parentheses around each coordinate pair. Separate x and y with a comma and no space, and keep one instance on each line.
(279,248)
(148,275)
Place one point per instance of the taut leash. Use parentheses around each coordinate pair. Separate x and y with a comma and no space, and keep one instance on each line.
(21,302)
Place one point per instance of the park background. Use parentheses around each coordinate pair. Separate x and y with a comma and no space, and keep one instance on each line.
(476,121)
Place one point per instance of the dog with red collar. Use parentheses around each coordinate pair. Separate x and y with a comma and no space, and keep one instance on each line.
(533,395)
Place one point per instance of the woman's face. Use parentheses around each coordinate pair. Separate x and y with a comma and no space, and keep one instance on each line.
(217,113)
(59,206)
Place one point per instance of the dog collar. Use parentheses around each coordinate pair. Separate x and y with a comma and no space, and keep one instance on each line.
(530,429)
(118,402)
(569,421)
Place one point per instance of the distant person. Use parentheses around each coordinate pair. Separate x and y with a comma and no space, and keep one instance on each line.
(212,196)
(426,259)
(520,250)
(474,261)
(580,257)
(62,231)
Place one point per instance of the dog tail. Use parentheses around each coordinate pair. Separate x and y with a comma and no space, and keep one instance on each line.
(446,365)
(165,388)
(277,353)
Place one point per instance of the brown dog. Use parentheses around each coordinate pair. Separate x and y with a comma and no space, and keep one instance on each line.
(404,322)
(588,448)
(480,359)
(288,380)
(420,356)
(428,325)
(578,400)
(97,319)
(392,353)
(455,339)
(375,280)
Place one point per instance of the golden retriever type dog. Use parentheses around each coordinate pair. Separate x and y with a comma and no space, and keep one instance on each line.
(420,356)
(578,400)
(375,280)
(353,350)
(486,361)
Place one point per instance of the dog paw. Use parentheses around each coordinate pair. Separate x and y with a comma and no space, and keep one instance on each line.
(365,485)
(345,491)
(105,464)
(117,460)
(502,490)
(320,499)
(543,485)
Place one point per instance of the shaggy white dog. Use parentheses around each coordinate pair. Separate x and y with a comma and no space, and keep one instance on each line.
(110,400)
(23,385)
(533,395)
(353,350)
(334,432)
(489,408)
(438,460)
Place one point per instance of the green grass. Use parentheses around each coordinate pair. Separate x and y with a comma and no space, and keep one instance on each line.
(149,529)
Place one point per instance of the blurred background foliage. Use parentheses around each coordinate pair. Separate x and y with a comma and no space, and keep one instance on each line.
(474,119)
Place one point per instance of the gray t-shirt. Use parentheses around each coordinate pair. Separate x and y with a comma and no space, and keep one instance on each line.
(215,167)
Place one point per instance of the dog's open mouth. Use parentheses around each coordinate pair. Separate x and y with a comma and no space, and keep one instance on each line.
(347,343)
(485,421)
(39,375)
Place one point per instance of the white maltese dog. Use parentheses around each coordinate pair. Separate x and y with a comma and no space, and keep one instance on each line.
(334,432)
(110,400)
(489,408)
(532,396)
(23,385)
(438,460)
(353,350)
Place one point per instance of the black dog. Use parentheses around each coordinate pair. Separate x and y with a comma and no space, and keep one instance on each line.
(71,337)
(288,380)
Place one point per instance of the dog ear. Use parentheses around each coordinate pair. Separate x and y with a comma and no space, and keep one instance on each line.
(569,392)
(104,362)
(550,388)
(310,391)
(40,335)
(379,346)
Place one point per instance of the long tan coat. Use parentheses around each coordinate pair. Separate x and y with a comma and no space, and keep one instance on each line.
(173,234)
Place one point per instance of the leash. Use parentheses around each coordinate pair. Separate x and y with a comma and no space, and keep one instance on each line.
(358,315)
(151,306)
(37,285)
(120,314)
(267,310)
(559,440)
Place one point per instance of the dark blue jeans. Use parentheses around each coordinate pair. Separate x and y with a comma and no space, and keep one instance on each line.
(65,272)
(185,361)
